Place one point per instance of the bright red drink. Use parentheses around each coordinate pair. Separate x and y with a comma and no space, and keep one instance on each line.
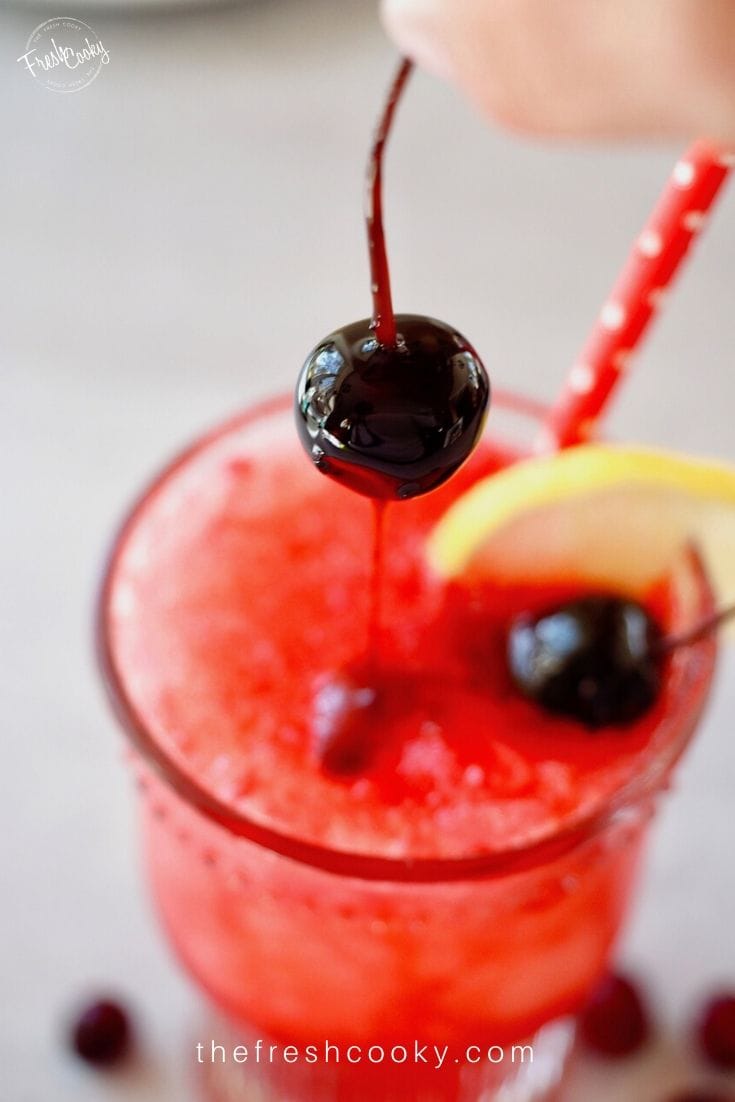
(463,885)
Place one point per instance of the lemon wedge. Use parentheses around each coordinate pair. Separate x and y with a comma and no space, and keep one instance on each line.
(607,515)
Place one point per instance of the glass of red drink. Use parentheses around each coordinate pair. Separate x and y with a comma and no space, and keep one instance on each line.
(462,885)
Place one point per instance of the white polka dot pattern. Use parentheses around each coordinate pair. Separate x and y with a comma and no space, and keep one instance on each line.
(650,243)
(693,220)
(684,174)
(581,379)
(613,316)
(638,295)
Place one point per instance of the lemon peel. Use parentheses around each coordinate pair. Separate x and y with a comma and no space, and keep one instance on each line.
(599,513)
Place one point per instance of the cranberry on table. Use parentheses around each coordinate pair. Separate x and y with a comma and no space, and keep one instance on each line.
(101,1034)
(716,1031)
(615,1021)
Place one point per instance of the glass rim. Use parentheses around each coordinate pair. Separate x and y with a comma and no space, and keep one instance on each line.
(671,736)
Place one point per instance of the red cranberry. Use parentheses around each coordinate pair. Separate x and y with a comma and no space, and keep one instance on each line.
(717,1031)
(101,1033)
(615,1021)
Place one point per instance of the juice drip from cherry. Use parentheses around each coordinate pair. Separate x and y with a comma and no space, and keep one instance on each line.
(358,694)
(375,583)
(352,704)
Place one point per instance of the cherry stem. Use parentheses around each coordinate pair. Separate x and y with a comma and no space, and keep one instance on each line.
(693,635)
(384,319)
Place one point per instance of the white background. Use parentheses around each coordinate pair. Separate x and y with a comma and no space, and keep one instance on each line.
(174,239)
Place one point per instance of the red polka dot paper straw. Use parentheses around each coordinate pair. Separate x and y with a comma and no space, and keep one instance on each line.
(655,258)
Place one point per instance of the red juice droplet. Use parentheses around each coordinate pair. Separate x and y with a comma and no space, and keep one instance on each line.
(376,586)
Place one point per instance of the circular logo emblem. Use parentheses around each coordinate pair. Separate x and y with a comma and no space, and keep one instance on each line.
(64,54)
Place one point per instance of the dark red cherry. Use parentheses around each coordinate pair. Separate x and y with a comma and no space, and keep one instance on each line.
(394,421)
(593,660)
(345,723)
(615,1021)
(716,1031)
(391,406)
(101,1033)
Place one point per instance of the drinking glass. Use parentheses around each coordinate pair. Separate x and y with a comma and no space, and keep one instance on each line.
(301,944)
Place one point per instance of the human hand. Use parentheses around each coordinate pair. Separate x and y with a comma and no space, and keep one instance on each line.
(582,68)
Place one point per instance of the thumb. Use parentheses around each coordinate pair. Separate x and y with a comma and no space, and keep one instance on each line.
(419,27)
(612,68)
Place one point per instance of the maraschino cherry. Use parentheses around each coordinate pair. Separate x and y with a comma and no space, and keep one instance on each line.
(390,406)
(598,659)
(591,659)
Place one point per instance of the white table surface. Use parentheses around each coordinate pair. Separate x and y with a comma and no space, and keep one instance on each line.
(174,239)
